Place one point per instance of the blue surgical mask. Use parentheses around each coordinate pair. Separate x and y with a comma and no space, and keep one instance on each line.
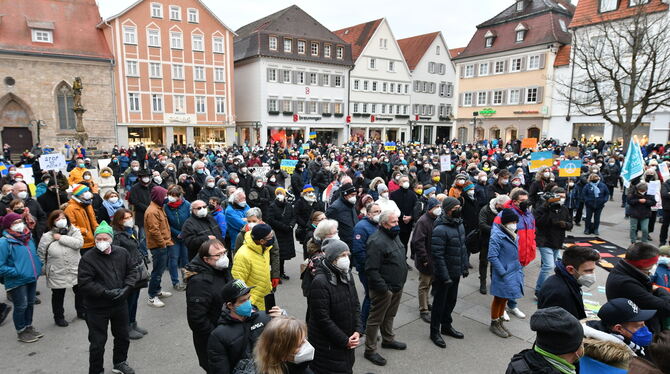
(244,309)
(270,242)
(641,337)
(200,171)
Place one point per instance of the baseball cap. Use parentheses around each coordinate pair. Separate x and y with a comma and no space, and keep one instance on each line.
(622,310)
(234,289)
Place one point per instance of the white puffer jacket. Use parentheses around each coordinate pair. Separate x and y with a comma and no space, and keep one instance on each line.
(60,258)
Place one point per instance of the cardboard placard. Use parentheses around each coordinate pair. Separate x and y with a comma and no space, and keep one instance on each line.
(445,162)
(571,152)
(53,161)
(530,143)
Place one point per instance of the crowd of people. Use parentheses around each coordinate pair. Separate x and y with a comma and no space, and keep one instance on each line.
(223,222)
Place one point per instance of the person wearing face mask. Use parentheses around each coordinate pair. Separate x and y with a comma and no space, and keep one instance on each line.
(282,220)
(552,219)
(611,173)
(199,227)
(158,239)
(283,348)
(640,211)
(362,231)
(77,174)
(558,344)
(334,324)
(501,186)
(405,199)
(169,174)
(487,215)
(200,173)
(106,278)
(342,210)
(178,211)
(303,208)
(111,204)
(297,183)
(252,262)
(19,191)
(209,189)
(384,201)
(81,214)
(420,249)
(595,194)
(457,188)
(206,275)
(540,185)
(235,212)
(131,175)
(106,181)
(630,279)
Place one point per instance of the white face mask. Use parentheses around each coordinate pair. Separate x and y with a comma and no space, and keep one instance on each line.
(385,195)
(129,223)
(405,185)
(259,184)
(201,212)
(87,195)
(471,193)
(18,227)
(103,245)
(251,225)
(172,199)
(305,353)
(236,180)
(146,180)
(343,263)
(280,197)
(437,212)
(352,200)
(561,201)
(87,177)
(273,179)
(158,180)
(136,168)
(22,195)
(210,184)
(113,200)
(511,226)
(61,223)
(222,262)
(242,203)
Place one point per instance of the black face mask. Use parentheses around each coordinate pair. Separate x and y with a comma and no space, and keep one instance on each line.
(456,213)
(19,211)
(524,205)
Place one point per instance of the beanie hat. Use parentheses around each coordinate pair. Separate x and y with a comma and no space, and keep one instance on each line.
(79,189)
(508,216)
(468,186)
(104,228)
(333,248)
(9,218)
(280,190)
(558,331)
(382,188)
(307,188)
(260,231)
(449,203)
(158,195)
(432,203)
(429,191)
(347,189)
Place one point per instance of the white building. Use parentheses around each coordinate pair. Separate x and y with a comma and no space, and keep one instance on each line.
(291,83)
(432,91)
(380,83)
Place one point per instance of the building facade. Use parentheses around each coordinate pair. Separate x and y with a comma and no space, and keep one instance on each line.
(173,74)
(44,46)
(505,80)
(432,90)
(294,76)
(566,121)
(379,98)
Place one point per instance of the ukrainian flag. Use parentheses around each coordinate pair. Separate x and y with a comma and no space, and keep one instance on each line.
(540,159)
(4,170)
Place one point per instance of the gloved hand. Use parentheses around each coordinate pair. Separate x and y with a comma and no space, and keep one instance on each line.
(275,282)
(113,294)
(448,282)
(466,273)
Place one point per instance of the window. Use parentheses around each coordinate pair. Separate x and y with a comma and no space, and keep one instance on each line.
(326,79)
(326,51)
(355,108)
(516,64)
(219,75)
(489,42)
(176,40)
(217,45)
(197,42)
(157,103)
(288,45)
(383,109)
(179,103)
(133,102)
(154,38)
(156,10)
(533,62)
(437,50)
(637,2)
(365,85)
(301,47)
(365,107)
(65,99)
(193,16)
(300,76)
(392,88)
(399,88)
(442,69)
(286,106)
(564,27)
(313,80)
(175,13)
(356,84)
(481,98)
(531,95)
(470,71)
(431,67)
(337,108)
(340,53)
(129,35)
(392,66)
(372,63)
(484,69)
(519,35)
(405,108)
(286,76)
(467,99)
(273,43)
(608,5)
(154,70)
(325,108)
(312,106)
(300,107)
(373,108)
(200,104)
(499,67)
(177,71)
(273,106)
(450,90)
(383,43)
(314,49)
(42,36)
(199,73)
(514,96)
(519,6)
(131,69)
(407,88)
(221,105)
(272,75)
(374,86)
(384,86)
(498,97)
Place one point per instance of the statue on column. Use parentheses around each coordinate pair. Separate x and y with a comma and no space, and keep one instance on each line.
(78,108)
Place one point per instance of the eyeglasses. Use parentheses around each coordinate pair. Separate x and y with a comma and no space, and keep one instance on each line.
(218,254)
(200,208)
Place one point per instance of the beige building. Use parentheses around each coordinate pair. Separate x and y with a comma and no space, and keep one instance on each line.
(505,85)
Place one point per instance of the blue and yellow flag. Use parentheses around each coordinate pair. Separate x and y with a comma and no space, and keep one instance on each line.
(570,168)
(540,159)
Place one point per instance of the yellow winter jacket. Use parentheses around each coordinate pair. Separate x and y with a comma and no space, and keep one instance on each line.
(76,175)
(252,265)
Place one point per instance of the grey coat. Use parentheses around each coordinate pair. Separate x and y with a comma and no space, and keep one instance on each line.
(61,257)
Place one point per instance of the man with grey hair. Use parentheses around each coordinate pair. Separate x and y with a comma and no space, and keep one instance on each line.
(386,269)
(210,190)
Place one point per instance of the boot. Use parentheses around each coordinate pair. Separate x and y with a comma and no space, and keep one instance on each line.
(134,335)
(482,286)
(138,329)
(502,325)
(497,329)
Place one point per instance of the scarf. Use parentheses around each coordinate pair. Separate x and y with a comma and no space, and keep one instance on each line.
(596,190)
(176,204)
(82,201)
(557,362)
(111,207)
(23,237)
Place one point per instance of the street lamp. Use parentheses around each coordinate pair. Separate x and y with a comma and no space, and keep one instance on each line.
(257,125)
(474,127)
(38,123)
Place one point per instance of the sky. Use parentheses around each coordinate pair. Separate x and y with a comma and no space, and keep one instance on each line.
(456,19)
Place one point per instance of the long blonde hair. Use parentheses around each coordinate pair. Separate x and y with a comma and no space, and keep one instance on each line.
(278,343)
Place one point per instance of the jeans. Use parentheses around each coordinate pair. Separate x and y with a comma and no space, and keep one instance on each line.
(644,227)
(592,214)
(579,211)
(177,258)
(142,238)
(133,297)
(57,299)
(443,304)
(511,303)
(365,307)
(23,298)
(159,257)
(97,321)
(548,258)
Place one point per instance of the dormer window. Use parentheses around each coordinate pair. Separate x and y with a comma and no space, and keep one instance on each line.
(489,37)
(42,36)
(608,5)
(520,32)
(519,6)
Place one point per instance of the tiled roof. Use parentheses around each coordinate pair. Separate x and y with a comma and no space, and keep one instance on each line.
(532,7)
(454,52)
(358,35)
(587,12)
(74,28)
(563,56)
(415,47)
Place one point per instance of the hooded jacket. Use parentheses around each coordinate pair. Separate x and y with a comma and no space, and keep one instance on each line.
(530,362)
(19,263)
(525,230)
(177,217)
(447,248)
(83,217)
(157,226)
(61,257)
(604,357)
(506,271)
(252,265)
(99,272)
(106,183)
(203,295)
(344,213)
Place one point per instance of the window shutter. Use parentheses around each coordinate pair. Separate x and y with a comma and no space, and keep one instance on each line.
(332,80)
(524,63)
(460,100)
(268,107)
(280,105)
(268,74)
(504,97)
(462,71)
(475,69)
(492,66)
(280,76)
(489,97)
(540,93)
(319,79)
(506,65)
(522,96)
(542,60)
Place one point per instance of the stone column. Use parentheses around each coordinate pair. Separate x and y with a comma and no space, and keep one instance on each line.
(168,136)
(231,135)
(190,138)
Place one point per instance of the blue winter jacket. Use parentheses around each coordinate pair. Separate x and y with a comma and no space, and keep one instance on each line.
(235,220)
(362,231)
(19,264)
(507,272)
(662,275)
(588,365)
(220,217)
(588,195)
(177,217)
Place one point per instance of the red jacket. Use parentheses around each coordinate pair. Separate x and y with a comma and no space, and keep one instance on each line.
(525,230)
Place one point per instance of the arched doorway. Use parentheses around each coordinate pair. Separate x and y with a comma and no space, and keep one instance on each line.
(494,133)
(479,133)
(511,134)
(534,132)
(15,123)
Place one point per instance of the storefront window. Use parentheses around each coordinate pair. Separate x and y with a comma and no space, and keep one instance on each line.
(642,132)
(286,136)
(427,134)
(326,136)
(462,135)
(209,135)
(588,130)
(375,134)
(416,133)
(150,136)
(494,133)
(358,135)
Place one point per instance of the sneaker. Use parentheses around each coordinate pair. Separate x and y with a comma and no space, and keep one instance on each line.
(27,336)
(497,329)
(516,312)
(179,287)
(123,368)
(164,294)
(505,317)
(34,331)
(156,302)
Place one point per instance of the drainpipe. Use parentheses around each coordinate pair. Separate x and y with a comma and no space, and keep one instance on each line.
(572,75)
(111,74)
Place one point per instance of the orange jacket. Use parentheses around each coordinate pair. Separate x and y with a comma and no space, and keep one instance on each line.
(83,218)
(157,227)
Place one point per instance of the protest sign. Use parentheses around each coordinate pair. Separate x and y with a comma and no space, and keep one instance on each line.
(53,161)
(288,165)
(445,162)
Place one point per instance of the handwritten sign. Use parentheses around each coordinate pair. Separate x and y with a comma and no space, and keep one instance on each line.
(529,143)
(445,162)
(571,152)
(259,171)
(54,161)
(665,173)
(288,165)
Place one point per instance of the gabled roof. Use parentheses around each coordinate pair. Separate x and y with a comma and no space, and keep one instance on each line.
(532,7)
(358,36)
(454,52)
(587,12)
(413,48)
(73,23)
(563,56)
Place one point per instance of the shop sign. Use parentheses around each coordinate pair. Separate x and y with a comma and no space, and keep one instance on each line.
(526,112)
(379,118)
(487,112)
(425,118)
(300,117)
(180,118)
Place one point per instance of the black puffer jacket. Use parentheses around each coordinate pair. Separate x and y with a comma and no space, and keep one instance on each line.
(486,217)
(227,344)
(611,174)
(344,213)
(639,210)
(334,317)
(203,295)
(406,200)
(197,230)
(125,240)
(386,265)
(281,219)
(49,202)
(530,362)
(450,257)
(99,272)
(548,218)
(140,198)
(206,192)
